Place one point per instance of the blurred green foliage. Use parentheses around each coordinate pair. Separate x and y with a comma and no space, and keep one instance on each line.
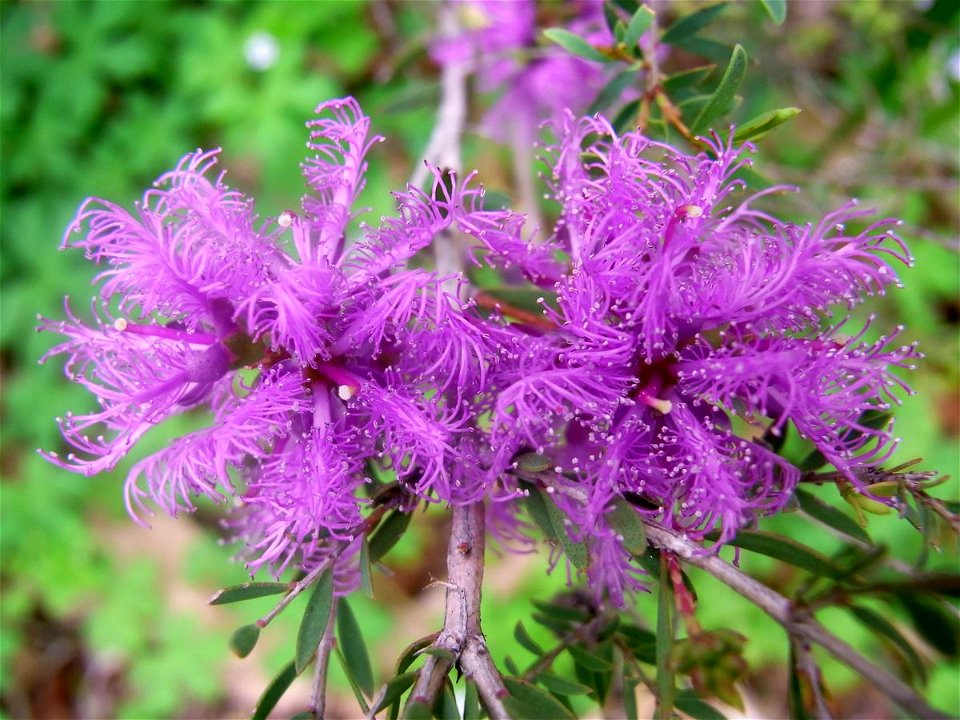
(98,98)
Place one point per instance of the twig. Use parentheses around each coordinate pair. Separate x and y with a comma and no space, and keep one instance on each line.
(443,147)
(797,625)
(298,588)
(461,634)
(318,697)
(805,663)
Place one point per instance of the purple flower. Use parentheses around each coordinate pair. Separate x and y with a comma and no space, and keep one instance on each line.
(499,40)
(684,305)
(315,355)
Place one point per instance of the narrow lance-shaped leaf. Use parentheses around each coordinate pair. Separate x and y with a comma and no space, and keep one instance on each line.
(418,710)
(625,520)
(934,622)
(764,123)
(561,685)
(796,689)
(471,702)
(354,649)
(529,701)
(393,690)
(692,24)
(413,650)
(275,690)
(789,551)
(830,516)
(446,708)
(610,93)
(388,534)
(637,26)
(574,44)
(689,703)
(552,521)
(357,692)
(366,580)
(316,617)
(665,679)
(776,9)
(588,660)
(875,621)
(722,97)
(527,642)
(248,591)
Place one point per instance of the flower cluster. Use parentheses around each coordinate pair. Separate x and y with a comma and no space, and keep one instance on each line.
(313,354)
(681,326)
(688,324)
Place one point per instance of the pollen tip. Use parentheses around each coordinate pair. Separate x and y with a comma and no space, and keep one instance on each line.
(120,324)
(345,392)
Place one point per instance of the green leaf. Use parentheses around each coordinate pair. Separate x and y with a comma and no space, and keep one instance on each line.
(666,685)
(560,612)
(722,97)
(687,79)
(529,701)
(574,44)
(446,708)
(354,649)
(244,640)
(471,702)
(394,689)
(413,650)
(366,580)
(688,702)
(588,660)
(248,591)
(796,689)
(776,9)
(789,551)
(561,685)
(418,710)
(315,619)
(642,642)
(764,123)
(275,690)
(625,520)
(626,116)
(510,665)
(611,92)
(692,24)
(935,624)
(441,653)
(630,699)
(830,516)
(533,463)
(552,521)
(357,692)
(876,621)
(637,26)
(713,50)
(392,528)
(527,642)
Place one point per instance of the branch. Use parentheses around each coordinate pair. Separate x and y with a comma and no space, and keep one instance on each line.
(796,624)
(298,588)
(443,148)
(318,697)
(461,635)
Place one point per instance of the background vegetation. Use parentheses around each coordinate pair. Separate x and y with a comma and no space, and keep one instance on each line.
(103,619)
